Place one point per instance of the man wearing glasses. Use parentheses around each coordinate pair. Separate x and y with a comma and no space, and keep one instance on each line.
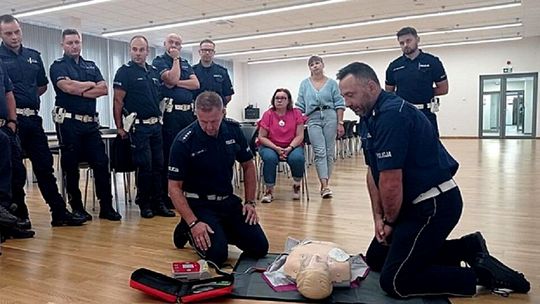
(212,76)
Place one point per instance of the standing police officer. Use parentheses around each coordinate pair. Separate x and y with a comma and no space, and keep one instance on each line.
(136,89)
(212,76)
(178,82)
(415,201)
(200,174)
(414,74)
(77,83)
(25,68)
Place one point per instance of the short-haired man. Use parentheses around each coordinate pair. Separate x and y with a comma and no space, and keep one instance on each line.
(136,90)
(415,201)
(25,68)
(200,174)
(212,76)
(415,73)
(179,81)
(77,83)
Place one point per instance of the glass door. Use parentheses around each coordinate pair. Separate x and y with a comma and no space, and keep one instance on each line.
(508,105)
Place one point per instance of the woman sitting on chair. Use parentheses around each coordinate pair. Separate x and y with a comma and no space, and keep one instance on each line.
(281,137)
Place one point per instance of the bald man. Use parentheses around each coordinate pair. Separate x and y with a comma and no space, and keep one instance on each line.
(178,82)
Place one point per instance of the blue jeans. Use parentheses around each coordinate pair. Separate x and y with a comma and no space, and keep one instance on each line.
(270,158)
(322,130)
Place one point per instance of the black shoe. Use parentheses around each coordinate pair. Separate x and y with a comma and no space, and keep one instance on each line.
(180,237)
(81,213)
(493,275)
(147,213)
(6,218)
(109,214)
(17,233)
(475,244)
(66,218)
(163,211)
(24,224)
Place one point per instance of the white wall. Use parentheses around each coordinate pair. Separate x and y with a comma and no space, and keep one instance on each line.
(459,115)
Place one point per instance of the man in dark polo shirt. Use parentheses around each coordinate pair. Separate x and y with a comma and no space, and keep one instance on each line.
(212,76)
(77,83)
(413,75)
(25,68)
(136,90)
(415,201)
(179,81)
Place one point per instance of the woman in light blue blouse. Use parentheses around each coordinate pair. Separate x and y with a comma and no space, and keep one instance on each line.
(320,100)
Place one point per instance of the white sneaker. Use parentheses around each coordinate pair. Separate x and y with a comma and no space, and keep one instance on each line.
(267,198)
(296,192)
(326,193)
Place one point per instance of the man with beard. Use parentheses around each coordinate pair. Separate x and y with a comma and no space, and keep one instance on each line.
(414,74)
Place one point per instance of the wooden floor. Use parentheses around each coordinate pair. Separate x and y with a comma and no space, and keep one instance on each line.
(500,182)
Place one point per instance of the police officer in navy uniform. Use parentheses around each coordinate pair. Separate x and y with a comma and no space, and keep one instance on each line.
(178,83)
(12,171)
(212,76)
(136,89)
(77,83)
(25,68)
(415,201)
(200,174)
(414,74)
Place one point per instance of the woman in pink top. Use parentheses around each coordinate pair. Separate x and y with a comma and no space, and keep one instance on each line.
(281,138)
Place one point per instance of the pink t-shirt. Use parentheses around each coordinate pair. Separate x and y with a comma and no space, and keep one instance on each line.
(281,129)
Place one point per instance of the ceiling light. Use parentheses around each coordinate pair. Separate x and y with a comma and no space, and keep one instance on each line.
(370,39)
(220,18)
(386,50)
(57,8)
(362,23)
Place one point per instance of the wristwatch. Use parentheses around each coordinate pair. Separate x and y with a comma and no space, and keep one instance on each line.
(341,122)
(253,203)
(388,223)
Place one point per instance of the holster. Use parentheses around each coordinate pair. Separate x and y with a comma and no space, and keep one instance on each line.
(435,103)
(58,114)
(174,291)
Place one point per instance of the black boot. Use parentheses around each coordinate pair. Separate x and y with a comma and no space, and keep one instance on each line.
(16,233)
(161,210)
(493,274)
(107,212)
(66,218)
(180,235)
(6,218)
(474,244)
(82,213)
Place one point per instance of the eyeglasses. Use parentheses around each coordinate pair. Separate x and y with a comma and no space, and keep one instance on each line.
(207,50)
(281,98)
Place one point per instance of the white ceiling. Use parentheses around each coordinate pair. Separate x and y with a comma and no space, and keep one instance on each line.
(127,14)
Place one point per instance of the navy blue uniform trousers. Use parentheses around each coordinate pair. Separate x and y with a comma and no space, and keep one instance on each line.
(18,174)
(147,155)
(420,261)
(81,142)
(35,146)
(230,227)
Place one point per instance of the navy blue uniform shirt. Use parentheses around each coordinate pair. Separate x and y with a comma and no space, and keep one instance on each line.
(414,78)
(205,163)
(142,89)
(5,86)
(66,68)
(180,95)
(214,78)
(27,73)
(396,135)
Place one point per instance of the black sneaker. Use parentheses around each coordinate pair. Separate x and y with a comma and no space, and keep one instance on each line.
(161,210)
(66,218)
(474,244)
(109,214)
(6,218)
(493,274)
(17,233)
(180,237)
(81,213)
(24,224)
